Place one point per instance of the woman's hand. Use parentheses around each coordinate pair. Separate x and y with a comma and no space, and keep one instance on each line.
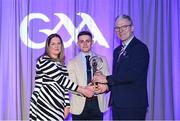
(87,91)
(66,111)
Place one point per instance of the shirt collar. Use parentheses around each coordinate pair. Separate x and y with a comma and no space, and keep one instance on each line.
(126,43)
(84,54)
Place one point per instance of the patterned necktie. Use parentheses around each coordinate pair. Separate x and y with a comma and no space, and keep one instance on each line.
(121,52)
(88,68)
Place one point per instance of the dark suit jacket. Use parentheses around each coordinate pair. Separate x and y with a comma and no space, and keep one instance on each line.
(128,82)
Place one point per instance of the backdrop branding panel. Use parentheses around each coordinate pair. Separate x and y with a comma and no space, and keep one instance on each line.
(65,21)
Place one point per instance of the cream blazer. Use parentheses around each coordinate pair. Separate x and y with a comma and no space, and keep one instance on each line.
(78,75)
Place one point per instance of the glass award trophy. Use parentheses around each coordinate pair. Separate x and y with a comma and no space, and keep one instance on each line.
(96,63)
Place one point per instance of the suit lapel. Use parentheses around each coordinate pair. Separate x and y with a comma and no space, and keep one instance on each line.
(126,52)
(131,44)
(80,69)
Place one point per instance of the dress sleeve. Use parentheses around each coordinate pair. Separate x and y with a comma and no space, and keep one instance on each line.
(59,74)
(38,79)
(67,102)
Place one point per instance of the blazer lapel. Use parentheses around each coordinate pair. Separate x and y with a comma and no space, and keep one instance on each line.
(80,69)
(126,52)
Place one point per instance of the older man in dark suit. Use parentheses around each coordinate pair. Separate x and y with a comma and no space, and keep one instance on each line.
(128,82)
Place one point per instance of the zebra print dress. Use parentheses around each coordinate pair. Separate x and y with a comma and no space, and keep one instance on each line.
(50,94)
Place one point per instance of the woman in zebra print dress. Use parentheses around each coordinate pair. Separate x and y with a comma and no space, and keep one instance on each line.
(50,99)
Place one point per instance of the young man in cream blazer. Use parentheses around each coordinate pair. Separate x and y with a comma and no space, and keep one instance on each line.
(83,108)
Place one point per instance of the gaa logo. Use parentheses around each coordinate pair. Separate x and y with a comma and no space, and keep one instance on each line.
(69,26)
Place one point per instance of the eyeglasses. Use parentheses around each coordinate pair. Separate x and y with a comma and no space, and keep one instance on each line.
(122,28)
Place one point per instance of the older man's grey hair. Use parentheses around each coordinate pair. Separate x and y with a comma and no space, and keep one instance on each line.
(124,17)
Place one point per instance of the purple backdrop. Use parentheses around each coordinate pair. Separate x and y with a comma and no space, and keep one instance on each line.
(26,24)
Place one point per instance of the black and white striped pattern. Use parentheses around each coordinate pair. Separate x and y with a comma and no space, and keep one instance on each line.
(50,94)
